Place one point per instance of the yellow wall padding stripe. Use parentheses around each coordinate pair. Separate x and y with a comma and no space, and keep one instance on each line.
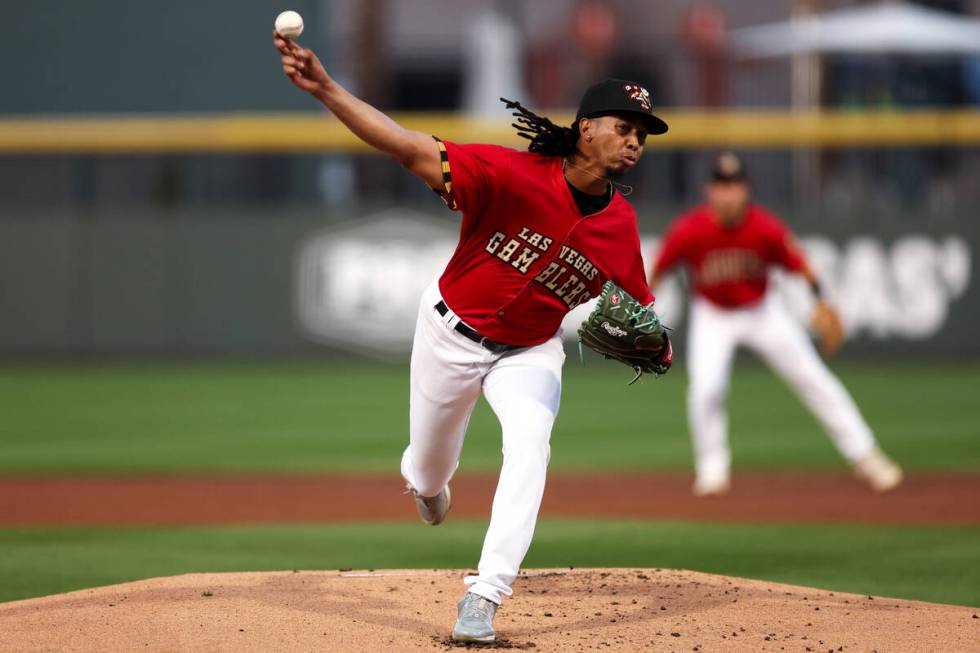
(322,133)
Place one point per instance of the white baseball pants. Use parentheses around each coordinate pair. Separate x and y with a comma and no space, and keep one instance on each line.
(523,388)
(782,343)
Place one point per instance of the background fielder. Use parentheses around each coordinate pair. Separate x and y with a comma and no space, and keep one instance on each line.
(729,245)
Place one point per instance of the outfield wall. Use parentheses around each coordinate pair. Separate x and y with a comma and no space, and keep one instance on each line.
(264,282)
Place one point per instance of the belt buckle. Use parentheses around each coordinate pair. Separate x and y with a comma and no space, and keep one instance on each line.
(491,346)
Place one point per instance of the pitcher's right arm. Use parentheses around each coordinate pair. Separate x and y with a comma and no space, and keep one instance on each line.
(414,150)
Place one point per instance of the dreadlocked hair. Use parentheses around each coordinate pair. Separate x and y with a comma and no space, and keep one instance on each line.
(546,137)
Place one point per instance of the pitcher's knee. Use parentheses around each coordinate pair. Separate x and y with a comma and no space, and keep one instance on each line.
(530,441)
(531,452)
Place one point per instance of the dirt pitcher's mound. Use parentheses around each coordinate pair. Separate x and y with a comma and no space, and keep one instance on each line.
(562,610)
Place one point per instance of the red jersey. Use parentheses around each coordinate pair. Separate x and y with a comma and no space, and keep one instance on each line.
(729,265)
(526,255)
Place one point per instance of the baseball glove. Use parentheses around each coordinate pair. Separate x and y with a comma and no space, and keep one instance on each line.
(827,325)
(623,329)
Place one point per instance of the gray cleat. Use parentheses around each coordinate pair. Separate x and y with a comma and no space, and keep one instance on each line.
(475,622)
(432,510)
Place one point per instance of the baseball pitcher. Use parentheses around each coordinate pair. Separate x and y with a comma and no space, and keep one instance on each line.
(542,231)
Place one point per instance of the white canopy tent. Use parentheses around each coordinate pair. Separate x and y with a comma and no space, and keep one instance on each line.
(885,28)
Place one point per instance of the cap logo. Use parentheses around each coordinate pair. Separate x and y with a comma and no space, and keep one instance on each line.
(638,94)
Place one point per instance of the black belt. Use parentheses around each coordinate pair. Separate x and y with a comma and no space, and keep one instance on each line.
(474,335)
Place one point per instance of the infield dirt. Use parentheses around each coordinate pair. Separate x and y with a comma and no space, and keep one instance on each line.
(222,499)
(552,610)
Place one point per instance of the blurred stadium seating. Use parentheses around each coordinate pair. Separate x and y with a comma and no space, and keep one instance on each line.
(160,187)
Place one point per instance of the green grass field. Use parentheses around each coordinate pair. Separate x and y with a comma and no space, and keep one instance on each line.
(321,417)
(929,564)
(922,563)
(302,417)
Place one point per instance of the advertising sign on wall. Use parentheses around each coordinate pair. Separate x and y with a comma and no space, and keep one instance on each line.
(358,286)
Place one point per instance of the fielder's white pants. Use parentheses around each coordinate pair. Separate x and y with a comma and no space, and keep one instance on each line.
(523,388)
(771,332)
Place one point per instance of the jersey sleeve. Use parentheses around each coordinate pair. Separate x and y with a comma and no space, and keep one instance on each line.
(634,280)
(472,174)
(783,248)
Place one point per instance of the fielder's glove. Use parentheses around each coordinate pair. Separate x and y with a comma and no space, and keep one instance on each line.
(827,325)
(623,329)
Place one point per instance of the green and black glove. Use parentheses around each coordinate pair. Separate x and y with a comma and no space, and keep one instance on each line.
(623,329)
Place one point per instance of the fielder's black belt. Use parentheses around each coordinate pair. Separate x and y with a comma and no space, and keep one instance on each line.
(474,335)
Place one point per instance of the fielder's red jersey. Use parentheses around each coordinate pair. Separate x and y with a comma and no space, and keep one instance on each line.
(526,255)
(729,265)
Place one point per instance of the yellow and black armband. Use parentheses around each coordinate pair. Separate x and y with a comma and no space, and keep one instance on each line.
(446,192)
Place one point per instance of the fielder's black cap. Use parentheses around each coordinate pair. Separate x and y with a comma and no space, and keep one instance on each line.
(615,97)
(728,167)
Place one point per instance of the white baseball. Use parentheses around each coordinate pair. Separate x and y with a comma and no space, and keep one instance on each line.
(289,24)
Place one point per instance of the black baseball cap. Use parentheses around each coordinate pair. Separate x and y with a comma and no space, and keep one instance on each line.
(614,97)
(728,167)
